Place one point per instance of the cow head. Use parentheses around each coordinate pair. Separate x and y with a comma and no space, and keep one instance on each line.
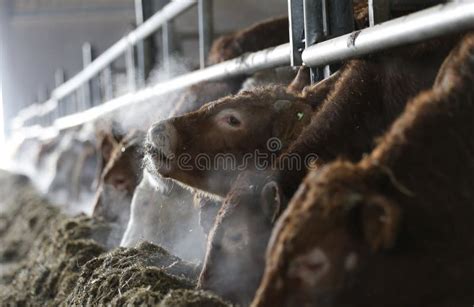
(236,244)
(119,179)
(208,148)
(325,238)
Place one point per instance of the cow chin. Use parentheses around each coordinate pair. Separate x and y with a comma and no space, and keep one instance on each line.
(157,166)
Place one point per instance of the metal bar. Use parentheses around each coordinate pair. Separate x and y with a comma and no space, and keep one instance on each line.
(295,19)
(379,11)
(340,21)
(440,20)
(107,86)
(166,48)
(139,19)
(169,12)
(130,67)
(76,105)
(325,13)
(341,17)
(436,21)
(85,99)
(145,49)
(59,77)
(313,29)
(268,58)
(206,29)
(411,5)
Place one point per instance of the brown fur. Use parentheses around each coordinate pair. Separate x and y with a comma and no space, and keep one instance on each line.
(365,99)
(404,212)
(199,94)
(357,106)
(264,113)
(121,172)
(265,34)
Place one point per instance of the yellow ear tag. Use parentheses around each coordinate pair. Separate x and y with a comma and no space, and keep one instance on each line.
(299,115)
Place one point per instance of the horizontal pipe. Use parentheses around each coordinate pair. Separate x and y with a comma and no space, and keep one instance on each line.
(436,21)
(426,24)
(170,11)
(247,64)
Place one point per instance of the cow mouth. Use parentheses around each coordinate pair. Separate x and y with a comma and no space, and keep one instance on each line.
(156,154)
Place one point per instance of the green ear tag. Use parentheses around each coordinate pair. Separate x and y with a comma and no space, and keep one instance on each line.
(299,115)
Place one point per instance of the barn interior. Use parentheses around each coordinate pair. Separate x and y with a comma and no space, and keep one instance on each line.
(236,153)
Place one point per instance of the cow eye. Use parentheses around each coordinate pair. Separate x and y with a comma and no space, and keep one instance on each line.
(233,121)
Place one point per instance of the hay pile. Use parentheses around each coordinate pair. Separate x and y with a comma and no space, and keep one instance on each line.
(49,259)
(143,274)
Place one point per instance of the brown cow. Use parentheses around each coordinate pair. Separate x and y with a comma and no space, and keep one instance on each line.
(358,105)
(151,205)
(118,181)
(241,125)
(396,228)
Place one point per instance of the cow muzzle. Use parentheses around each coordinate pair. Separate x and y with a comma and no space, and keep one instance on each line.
(162,141)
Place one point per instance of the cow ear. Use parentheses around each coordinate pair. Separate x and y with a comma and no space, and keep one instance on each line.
(300,81)
(271,200)
(106,148)
(380,220)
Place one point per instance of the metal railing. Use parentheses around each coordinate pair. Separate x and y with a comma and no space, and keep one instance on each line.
(102,63)
(439,20)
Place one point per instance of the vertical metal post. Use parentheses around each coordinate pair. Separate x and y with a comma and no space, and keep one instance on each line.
(59,78)
(130,67)
(295,18)
(145,49)
(41,97)
(76,105)
(206,29)
(313,29)
(139,18)
(339,20)
(42,94)
(107,86)
(379,11)
(325,13)
(341,17)
(60,108)
(86,98)
(166,47)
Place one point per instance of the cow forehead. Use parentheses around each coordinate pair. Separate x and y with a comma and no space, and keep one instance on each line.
(248,100)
